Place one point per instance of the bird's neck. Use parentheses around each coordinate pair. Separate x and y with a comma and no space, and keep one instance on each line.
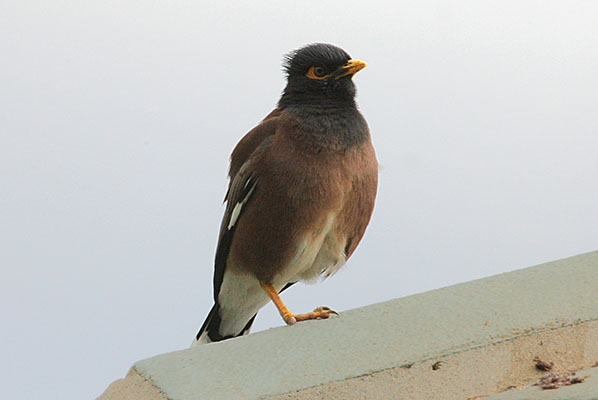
(329,127)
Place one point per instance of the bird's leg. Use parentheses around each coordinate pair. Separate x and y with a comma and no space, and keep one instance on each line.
(289,317)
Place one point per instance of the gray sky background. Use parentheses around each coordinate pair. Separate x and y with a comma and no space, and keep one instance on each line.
(117,119)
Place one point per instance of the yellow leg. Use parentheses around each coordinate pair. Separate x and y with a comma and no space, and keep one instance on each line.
(289,317)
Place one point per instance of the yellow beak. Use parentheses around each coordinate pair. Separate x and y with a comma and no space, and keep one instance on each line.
(352,67)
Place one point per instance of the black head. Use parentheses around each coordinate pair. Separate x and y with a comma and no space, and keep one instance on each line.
(320,73)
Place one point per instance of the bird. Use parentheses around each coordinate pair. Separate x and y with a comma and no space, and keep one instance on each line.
(301,192)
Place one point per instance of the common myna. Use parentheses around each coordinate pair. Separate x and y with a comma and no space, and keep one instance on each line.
(301,193)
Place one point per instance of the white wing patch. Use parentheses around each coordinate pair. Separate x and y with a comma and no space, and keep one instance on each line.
(234,215)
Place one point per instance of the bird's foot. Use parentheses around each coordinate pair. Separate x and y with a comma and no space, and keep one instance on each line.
(289,317)
(318,313)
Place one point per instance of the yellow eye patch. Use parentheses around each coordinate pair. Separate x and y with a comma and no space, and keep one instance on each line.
(316,73)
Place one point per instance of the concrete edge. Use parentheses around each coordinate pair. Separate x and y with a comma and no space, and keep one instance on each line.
(473,373)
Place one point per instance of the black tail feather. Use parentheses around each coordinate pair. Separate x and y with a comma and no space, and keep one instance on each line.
(213,321)
(212,326)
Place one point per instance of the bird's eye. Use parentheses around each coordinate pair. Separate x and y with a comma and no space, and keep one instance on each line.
(316,73)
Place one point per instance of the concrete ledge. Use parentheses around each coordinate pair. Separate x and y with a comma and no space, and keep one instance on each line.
(485,334)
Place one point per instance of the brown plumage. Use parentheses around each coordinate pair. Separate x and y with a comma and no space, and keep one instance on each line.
(302,189)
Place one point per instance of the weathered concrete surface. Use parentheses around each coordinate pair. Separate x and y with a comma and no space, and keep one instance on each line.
(133,387)
(471,373)
(486,332)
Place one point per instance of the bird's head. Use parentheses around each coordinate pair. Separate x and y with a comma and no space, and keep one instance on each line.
(320,73)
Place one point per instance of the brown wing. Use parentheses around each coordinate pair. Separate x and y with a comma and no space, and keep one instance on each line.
(241,186)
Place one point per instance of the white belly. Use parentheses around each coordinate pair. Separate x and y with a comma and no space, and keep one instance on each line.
(316,256)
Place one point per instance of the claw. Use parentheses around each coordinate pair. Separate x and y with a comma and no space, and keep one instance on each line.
(327,310)
(318,313)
